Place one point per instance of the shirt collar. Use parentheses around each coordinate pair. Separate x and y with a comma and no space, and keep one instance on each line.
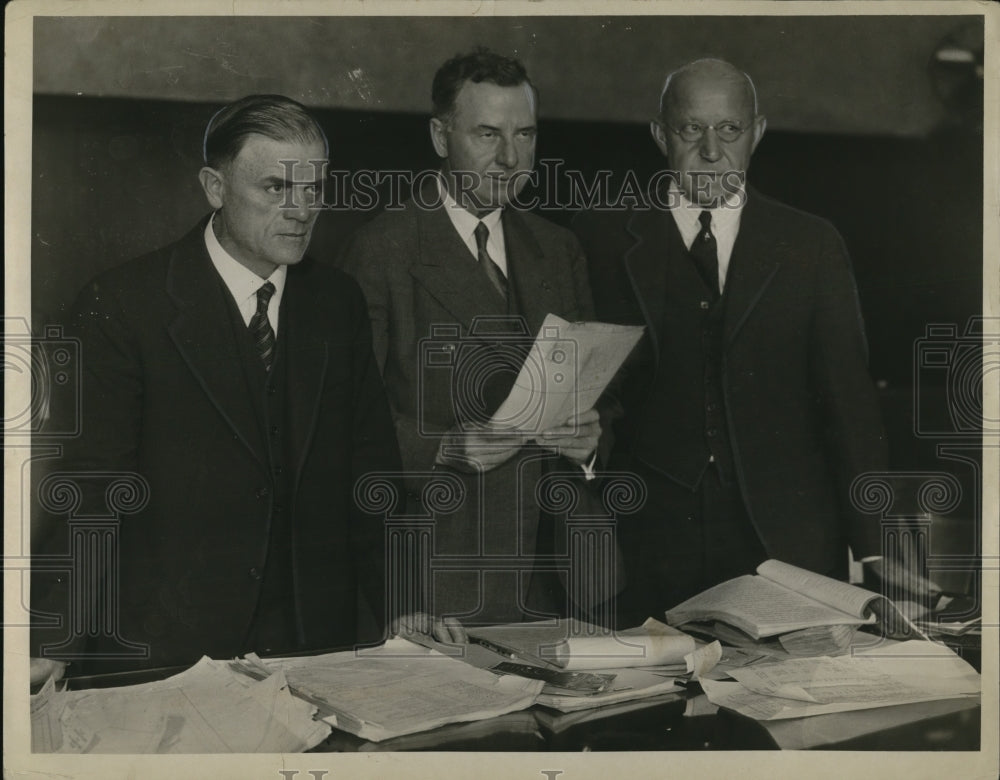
(464,221)
(686,213)
(241,281)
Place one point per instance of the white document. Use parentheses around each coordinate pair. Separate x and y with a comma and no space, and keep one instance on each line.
(899,673)
(402,688)
(205,709)
(568,367)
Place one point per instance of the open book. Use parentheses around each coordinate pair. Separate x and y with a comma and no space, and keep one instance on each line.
(779,599)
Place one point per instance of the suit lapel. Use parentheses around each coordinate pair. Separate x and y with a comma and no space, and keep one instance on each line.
(203,333)
(447,269)
(307,362)
(646,265)
(752,266)
(535,278)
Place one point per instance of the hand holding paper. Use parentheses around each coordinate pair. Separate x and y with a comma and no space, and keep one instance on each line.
(478,447)
(576,438)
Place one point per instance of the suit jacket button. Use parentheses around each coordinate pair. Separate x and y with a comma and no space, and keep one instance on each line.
(263,493)
(255,572)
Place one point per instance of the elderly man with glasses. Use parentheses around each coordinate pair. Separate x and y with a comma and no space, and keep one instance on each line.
(749,407)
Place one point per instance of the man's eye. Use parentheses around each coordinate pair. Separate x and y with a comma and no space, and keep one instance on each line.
(275,189)
(486,134)
(691,128)
(728,127)
(528,134)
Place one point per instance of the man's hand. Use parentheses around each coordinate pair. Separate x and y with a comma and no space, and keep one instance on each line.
(478,447)
(576,438)
(448,630)
(43,668)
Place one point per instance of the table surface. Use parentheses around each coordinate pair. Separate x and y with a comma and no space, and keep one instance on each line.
(676,721)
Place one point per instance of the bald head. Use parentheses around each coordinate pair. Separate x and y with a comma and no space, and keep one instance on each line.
(708,128)
(701,77)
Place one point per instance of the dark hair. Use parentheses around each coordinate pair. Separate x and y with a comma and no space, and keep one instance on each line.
(273,116)
(477,66)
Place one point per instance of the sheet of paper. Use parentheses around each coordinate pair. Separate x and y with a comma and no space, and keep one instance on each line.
(205,709)
(899,673)
(402,688)
(568,367)
(702,660)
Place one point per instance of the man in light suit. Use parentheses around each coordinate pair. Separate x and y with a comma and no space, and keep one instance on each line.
(455,252)
(236,379)
(748,406)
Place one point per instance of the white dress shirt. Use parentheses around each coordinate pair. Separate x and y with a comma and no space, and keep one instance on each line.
(725,225)
(243,283)
(466,223)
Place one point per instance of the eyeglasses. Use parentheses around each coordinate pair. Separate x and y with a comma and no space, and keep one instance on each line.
(692,131)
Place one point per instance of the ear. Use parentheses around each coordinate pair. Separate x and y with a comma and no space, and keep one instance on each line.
(759,126)
(439,137)
(659,136)
(214,185)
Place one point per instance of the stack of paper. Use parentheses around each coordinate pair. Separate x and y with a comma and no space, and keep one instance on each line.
(645,661)
(893,673)
(401,688)
(206,709)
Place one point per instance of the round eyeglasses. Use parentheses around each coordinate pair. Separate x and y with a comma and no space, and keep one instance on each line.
(726,131)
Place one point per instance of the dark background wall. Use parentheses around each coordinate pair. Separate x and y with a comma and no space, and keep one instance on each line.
(860,132)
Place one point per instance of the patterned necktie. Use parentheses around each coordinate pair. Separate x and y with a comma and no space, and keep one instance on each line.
(705,252)
(493,272)
(260,326)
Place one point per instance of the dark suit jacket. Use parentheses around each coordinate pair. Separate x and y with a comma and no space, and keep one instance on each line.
(164,395)
(802,413)
(417,274)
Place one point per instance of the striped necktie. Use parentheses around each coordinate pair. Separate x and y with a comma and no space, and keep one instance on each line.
(260,326)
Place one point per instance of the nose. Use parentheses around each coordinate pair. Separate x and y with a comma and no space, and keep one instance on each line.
(710,149)
(301,208)
(506,154)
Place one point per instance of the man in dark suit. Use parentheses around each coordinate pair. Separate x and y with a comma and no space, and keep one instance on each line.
(455,252)
(236,379)
(749,408)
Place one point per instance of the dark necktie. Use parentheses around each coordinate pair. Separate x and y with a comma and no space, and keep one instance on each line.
(705,252)
(492,270)
(260,326)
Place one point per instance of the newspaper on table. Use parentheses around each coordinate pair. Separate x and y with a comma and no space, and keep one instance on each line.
(568,367)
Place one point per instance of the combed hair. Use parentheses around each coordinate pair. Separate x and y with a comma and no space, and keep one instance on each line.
(477,66)
(273,116)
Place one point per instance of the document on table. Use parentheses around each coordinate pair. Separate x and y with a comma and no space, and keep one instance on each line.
(896,673)
(568,367)
(402,688)
(206,709)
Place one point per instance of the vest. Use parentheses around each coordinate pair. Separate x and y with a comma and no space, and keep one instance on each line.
(274,625)
(684,426)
